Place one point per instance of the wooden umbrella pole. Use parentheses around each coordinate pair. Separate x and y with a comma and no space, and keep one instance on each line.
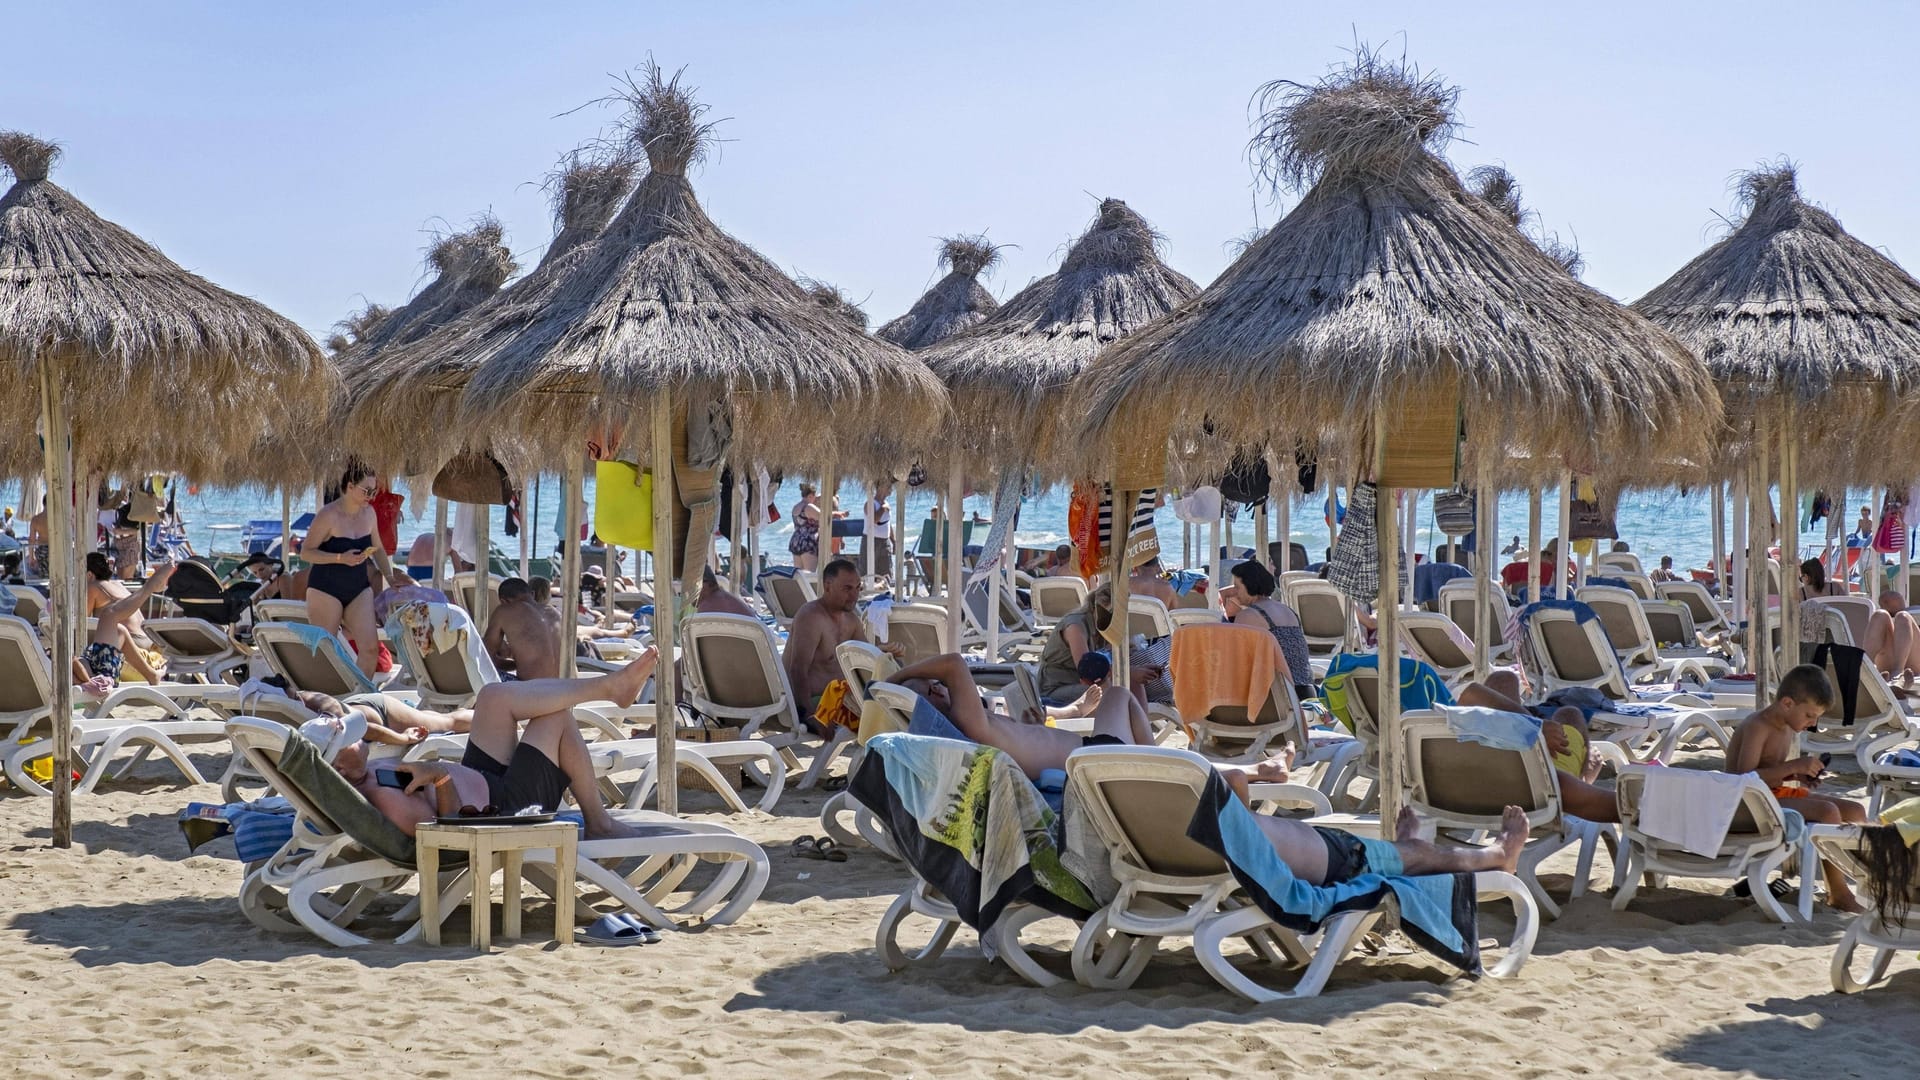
(896,565)
(874,494)
(482,564)
(440,544)
(1734,586)
(665,606)
(1261,552)
(992,621)
(1533,545)
(830,502)
(1120,620)
(286,528)
(1409,522)
(1719,527)
(954,563)
(1483,580)
(526,535)
(1214,582)
(1563,542)
(1789,542)
(1280,494)
(1386,612)
(1759,509)
(57,452)
(573,483)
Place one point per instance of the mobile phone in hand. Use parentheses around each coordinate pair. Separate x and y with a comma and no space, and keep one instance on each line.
(393,778)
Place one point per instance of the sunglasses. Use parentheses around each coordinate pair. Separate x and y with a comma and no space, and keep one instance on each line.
(367,489)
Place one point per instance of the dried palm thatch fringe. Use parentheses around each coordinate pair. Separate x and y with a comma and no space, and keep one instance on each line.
(1009,374)
(409,384)
(354,329)
(1791,311)
(835,302)
(664,301)
(1386,280)
(956,302)
(1498,189)
(160,368)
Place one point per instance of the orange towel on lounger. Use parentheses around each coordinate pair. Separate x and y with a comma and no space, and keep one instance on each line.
(1223,664)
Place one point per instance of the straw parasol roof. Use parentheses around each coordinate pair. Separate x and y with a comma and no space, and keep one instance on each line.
(1499,189)
(664,301)
(1790,311)
(159,367)
(1009,374)
(410,382)
(956,302)
(1386,286)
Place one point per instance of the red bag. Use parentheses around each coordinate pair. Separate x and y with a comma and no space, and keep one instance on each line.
(386,517)
(1891,537)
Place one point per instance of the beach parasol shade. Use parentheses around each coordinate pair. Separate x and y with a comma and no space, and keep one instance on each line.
(423,378)
(666,302)
(159,367)
(1789,311)
(1386,285)
(1009,375)
(956,302)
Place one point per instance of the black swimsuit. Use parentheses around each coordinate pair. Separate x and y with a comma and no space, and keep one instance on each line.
(338,580)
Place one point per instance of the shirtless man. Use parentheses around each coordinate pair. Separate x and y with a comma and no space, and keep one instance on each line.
(524,634)
(715,600)
(1318,856)
(818,629)
(1147,580)
(115,639)
(1765,743)
(505,767)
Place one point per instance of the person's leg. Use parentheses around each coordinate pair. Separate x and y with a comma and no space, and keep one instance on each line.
(1488,695)
(1298,845)
(1820,810)
(1879,642)
(1505,683)
(1589,802)
(500,707)
(1422,857)
(558,737)
(1908,661)
(364,633)
(1121,716)
(324,610)
(137,657)
(401,716)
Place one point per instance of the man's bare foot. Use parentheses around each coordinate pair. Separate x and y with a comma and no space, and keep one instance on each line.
(1274,769)
(1407,825)
(626,684)
(1513,837)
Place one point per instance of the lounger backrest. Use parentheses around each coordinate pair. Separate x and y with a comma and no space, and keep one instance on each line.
(1139,800)
(1855,611)
(295,768)
(1427,637)
(920,629)
(1322,611)
(863,664)
(1194,616)
(188,638)
(896,699)
(28,604)
(25,685)
(732,660)
(1619,611)
(1463,784)
(783,596)
(1695,596)
(293,611)
(1147,617)
(1641,584)
(1569,648)
(1057,597)
(1619,560)
(1670,622)
(1363,703)
(1026,683)
(325,669)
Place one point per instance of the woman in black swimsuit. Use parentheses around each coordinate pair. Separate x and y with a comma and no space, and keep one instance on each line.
(338,545)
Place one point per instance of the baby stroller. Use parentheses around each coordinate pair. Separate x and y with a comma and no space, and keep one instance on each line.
(199,594)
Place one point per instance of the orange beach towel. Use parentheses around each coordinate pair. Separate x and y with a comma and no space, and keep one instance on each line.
(1224,664)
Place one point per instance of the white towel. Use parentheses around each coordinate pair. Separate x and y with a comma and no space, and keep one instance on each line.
(1690,808)
(879,611)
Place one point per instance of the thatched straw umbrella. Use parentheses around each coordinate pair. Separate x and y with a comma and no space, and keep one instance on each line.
(1814,340)
(1391,297)
(956,302)
(665,311)
(102,330)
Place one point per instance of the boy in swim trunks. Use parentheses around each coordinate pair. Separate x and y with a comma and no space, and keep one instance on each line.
(1762,744)
(104,655)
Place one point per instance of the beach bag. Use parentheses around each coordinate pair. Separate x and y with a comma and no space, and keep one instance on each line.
(1591,519)
(1453,512)
(1891,537)
(1354,568)
(146,505)
(623,504)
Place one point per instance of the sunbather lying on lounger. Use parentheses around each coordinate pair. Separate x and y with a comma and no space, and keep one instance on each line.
(389,718)
(947,685)
(1319,855)
(507,769)
(1565,731)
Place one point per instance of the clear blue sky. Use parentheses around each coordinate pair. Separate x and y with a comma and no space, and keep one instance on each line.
(300,153)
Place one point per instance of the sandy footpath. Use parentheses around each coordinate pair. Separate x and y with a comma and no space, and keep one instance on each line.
(127,957)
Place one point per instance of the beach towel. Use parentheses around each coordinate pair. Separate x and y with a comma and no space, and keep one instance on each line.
(969,823)
(317,640)
(1497,728)
(1224,665)
(1420,686)
(1438,911)
(1690,808)
(1006,514)
(1429,576)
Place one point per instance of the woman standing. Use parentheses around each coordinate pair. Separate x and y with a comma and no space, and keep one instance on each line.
(338,545)
(804,545)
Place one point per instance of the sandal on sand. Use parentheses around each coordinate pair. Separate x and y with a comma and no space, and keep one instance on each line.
(834,783)
(829,850)
(1779,887)
(806,847)
(613,931)
(647,933)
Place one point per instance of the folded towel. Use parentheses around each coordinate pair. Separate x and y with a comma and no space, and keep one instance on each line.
(1224,664)
(1497,728)
(1690,808)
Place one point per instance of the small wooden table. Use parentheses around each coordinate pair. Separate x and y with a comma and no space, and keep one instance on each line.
(481,843)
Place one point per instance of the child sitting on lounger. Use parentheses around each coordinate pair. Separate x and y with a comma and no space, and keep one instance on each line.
(505,769)
(1761,745)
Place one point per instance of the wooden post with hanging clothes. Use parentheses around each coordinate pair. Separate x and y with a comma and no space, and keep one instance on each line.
(1533,545)
(572,491)
(440,544)
(1482,581)
(62,574)
(1789,543)
(1387,614)
(665,606)
(955,565)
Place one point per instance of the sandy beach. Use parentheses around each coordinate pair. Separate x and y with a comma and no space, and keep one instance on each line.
(126,957)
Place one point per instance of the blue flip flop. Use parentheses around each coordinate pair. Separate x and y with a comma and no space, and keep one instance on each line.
(647,933)
(612,931)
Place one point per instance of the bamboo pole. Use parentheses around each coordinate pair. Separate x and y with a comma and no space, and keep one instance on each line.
(665,606)
(1789,542)
(286,528)
(440,544)
(954,564)
(1735,587)
(482,565)
(572,488)
(897,565)
(1759,510)
(1563,544)
(526,535)
(1119,630)
(1719,529)
(62,574)
(1483,580)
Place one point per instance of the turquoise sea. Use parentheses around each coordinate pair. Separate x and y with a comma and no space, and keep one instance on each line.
(1668,522)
